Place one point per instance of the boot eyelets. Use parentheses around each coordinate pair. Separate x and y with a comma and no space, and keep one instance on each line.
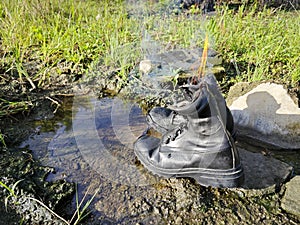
(202,145)
(167,141)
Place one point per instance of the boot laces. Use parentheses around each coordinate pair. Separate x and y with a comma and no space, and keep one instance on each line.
(174,134)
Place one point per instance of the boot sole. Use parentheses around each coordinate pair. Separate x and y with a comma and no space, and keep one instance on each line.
(229,178)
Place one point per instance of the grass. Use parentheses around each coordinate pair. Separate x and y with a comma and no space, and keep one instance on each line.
(265,44)
(256,44)
(41,40)
(2,141)
(45,38)
(11,192)
(81,207)
(47,44)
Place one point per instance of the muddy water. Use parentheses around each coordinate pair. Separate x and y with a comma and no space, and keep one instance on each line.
(92,145)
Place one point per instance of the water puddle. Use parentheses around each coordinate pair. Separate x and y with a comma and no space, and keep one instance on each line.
(92,145)
(99,134)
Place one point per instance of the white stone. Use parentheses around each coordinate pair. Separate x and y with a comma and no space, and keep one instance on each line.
(269,114)
(291,199)
(145,66)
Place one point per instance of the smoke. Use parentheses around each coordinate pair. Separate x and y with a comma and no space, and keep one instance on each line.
(96,121)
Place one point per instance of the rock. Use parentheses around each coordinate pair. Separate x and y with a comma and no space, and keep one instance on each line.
(205,5)
(291,198)
(178,220)
(267,115)
(146,66)
(262,173)
(183,62)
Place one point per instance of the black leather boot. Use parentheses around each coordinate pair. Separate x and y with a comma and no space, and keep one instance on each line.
(164,119)
(201,148)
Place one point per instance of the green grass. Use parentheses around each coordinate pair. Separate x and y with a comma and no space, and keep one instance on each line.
(14,198)
(265,45)
(259,44)
(45,38)
(41,41)
(2,141)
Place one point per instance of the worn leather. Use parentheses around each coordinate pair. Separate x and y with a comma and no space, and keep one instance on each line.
(200,148)
(164,119)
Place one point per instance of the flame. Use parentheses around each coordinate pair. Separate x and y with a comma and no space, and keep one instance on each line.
(201,69)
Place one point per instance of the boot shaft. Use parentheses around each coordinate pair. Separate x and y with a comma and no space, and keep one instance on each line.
(205,101)
(202,147)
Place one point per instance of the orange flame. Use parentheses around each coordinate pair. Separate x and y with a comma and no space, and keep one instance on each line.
(201,69)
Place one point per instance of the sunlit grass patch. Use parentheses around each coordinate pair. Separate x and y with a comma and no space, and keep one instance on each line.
(45,43)
(44,39)
(53,33)
(265,45)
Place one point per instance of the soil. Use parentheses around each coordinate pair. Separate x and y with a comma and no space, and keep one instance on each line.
(19,165)
(171,201)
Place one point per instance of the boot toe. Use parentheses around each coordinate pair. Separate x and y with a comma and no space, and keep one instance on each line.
(144,147)
(159,119)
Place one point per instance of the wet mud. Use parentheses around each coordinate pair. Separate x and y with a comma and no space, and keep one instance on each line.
(91,144)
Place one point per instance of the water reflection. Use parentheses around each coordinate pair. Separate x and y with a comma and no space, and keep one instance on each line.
(100,146)
(105,131)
